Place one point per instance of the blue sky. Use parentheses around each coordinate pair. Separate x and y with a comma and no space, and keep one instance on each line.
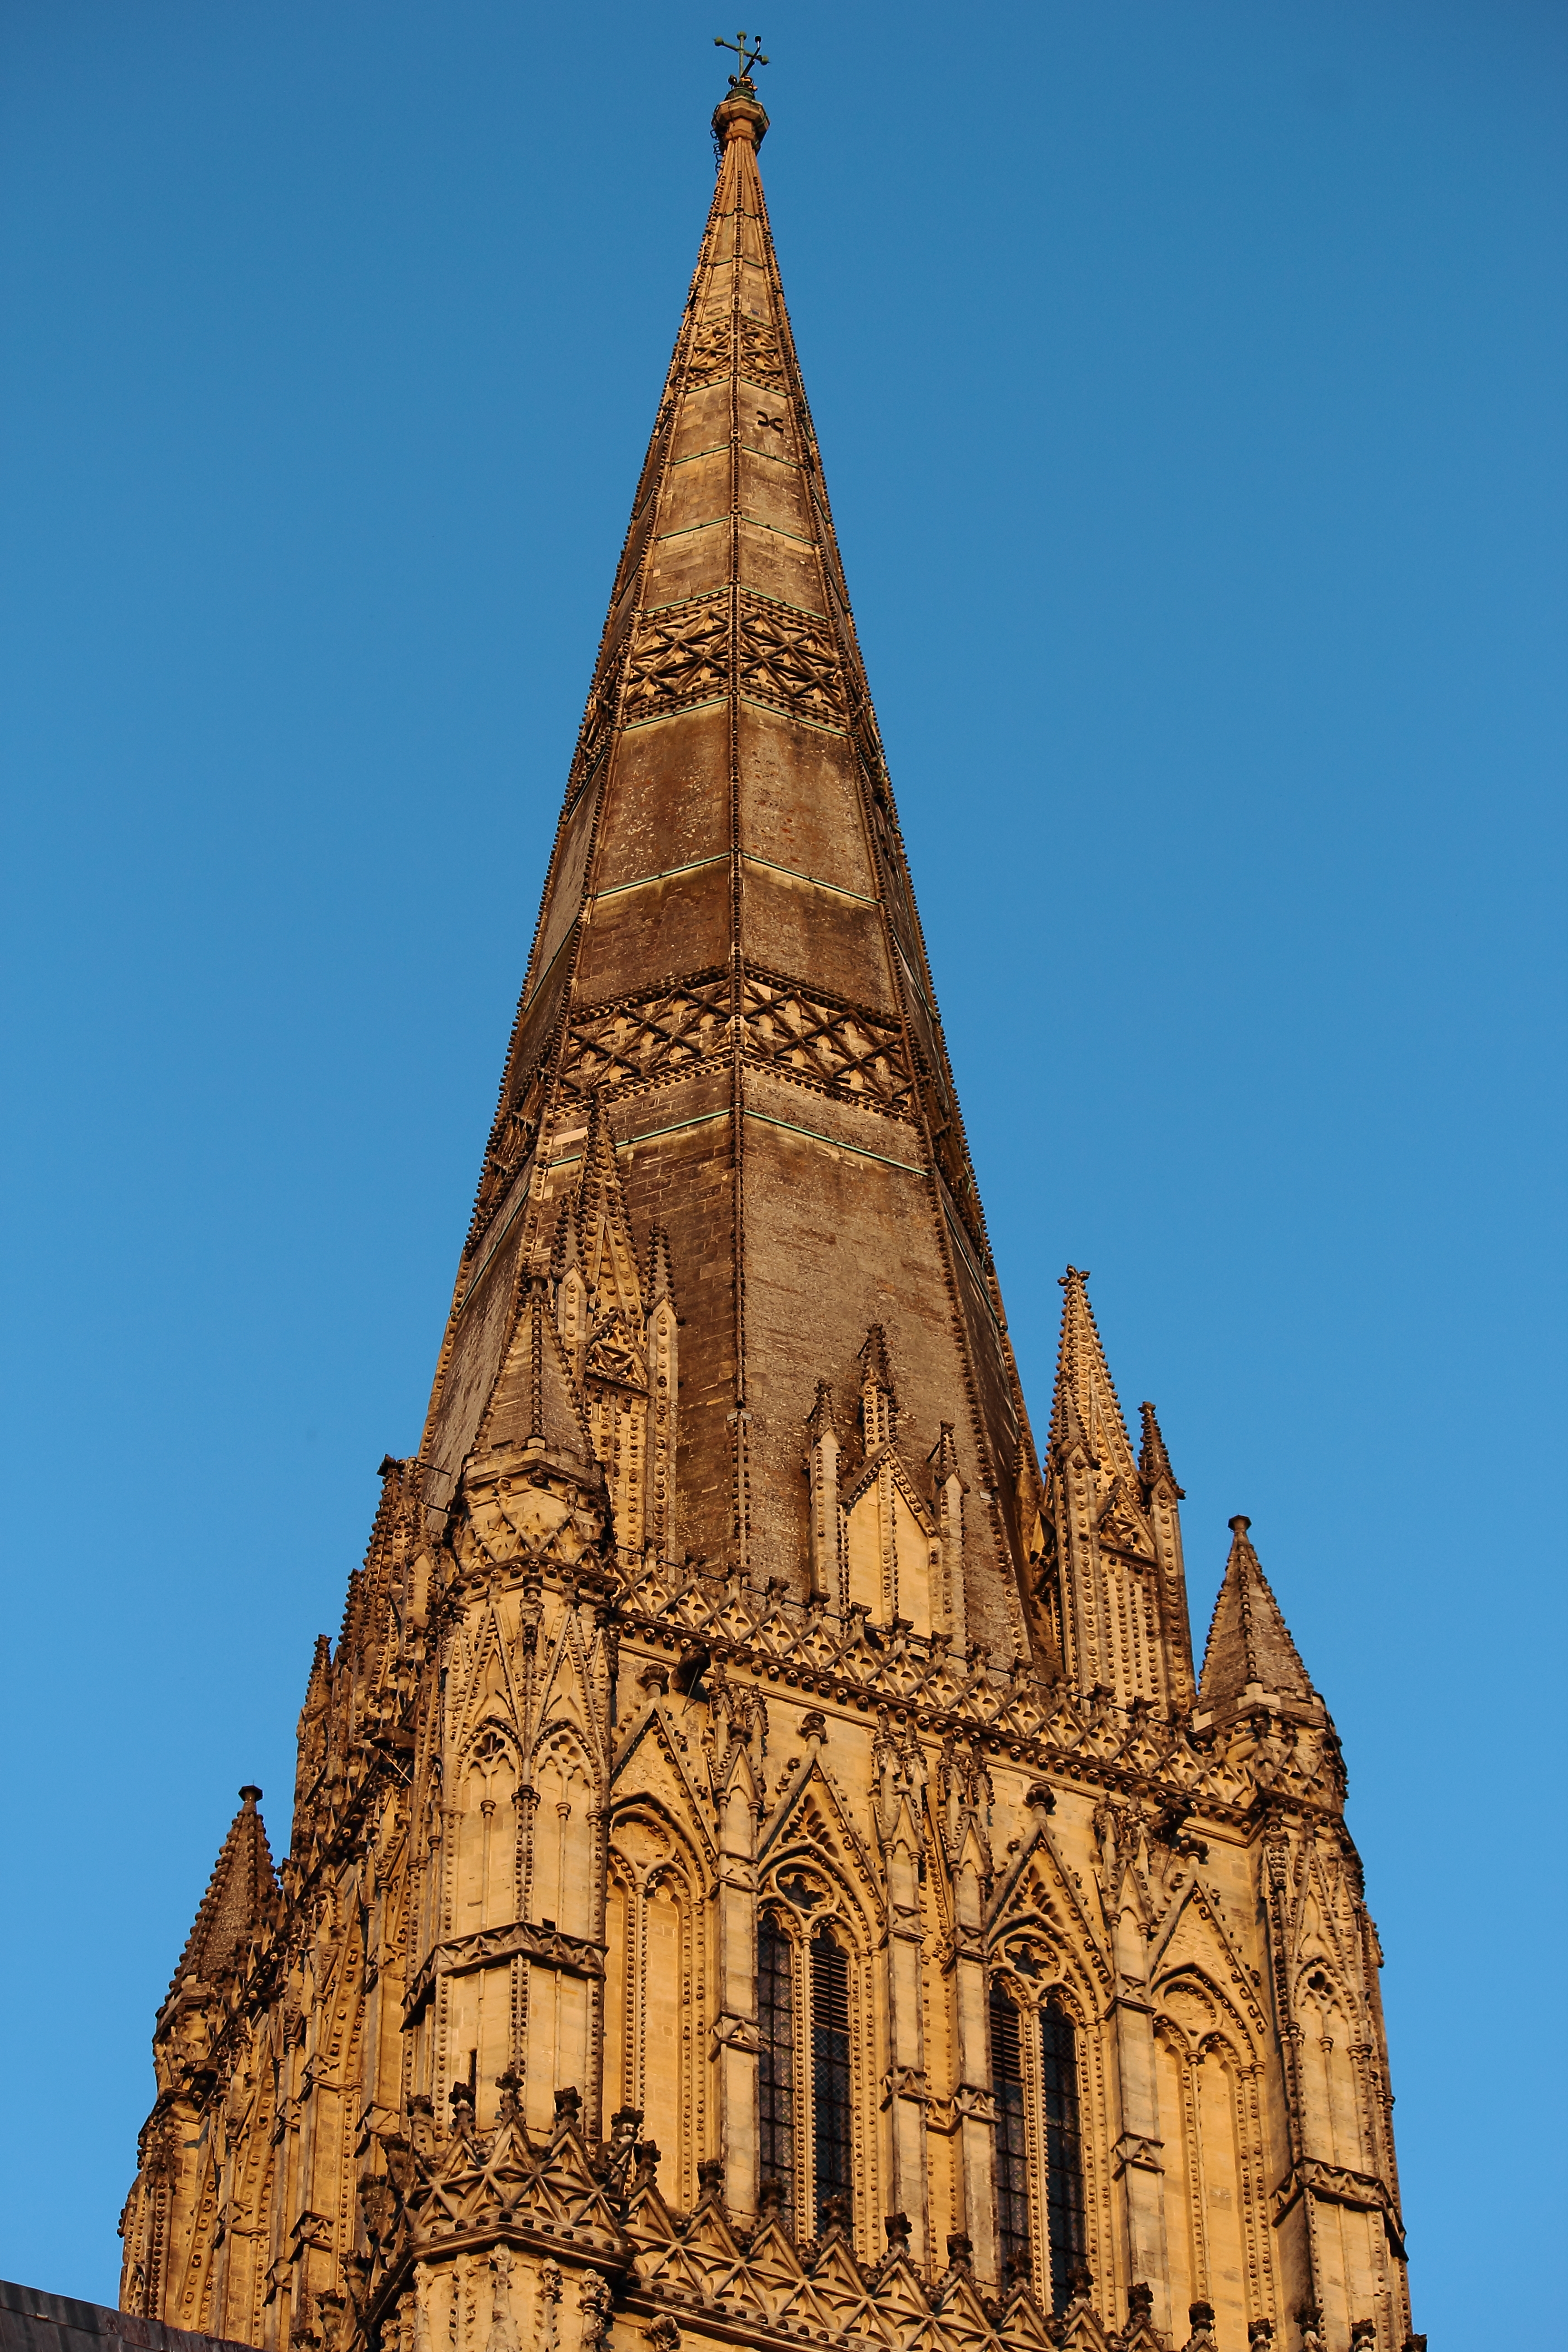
(1191,381)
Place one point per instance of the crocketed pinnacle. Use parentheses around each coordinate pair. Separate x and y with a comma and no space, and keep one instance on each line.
(1249,1644)
(1085,1404)
(240,1898)
(1153,1461)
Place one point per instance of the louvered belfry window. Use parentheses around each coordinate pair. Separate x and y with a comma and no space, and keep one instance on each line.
(829,2070)
(1064,2154)
(775,2070)
(1012,2146)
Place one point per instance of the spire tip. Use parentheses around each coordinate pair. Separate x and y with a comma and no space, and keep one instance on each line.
(740,115)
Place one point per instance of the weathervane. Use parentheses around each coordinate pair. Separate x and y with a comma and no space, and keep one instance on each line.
(748,57)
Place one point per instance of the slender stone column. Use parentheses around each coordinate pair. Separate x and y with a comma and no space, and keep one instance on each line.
(735,2024)
(906,2078)
(974,2109)
(1138,2152)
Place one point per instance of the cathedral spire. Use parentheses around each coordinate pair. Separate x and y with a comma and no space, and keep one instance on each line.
(682,1724)
(1250,1654)
(728,1027)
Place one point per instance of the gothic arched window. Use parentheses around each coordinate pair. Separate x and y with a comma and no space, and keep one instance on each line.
(1063,2151)
(1012,2146)
(775,2067)
(829,2070)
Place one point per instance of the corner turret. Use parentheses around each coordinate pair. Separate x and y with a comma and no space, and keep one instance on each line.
(1250,1661)
(240,1900)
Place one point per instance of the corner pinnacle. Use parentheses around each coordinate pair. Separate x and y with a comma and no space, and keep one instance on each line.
(1249,1646)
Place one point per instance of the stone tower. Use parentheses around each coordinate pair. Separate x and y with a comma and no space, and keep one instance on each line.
(763,1866)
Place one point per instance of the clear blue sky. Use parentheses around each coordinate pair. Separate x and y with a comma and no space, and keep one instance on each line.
(1192,383)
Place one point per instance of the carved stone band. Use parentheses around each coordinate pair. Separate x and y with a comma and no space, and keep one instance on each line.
(575,1955)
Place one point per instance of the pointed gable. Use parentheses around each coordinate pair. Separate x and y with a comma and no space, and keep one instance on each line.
(1249,1644)
(534,1403)
(604,1229)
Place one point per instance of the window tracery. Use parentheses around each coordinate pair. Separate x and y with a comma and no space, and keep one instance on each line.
(777,2068)
(1063,2150)
(832,2152)
(1038,2147)
(1013,2234)
(809,2058)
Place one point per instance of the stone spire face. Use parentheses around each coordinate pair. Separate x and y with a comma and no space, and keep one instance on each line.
(728,1021)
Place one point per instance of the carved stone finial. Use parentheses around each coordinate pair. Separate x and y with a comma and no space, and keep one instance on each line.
(1140,2302)
(568,2107)
(770,2198)
(821,1417)
(897,2226)
(834,2215)
(709,2179)
(598,2311)
(663,2336)
(960,2250)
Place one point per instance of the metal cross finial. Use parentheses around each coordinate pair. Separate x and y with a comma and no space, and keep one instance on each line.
(746,57)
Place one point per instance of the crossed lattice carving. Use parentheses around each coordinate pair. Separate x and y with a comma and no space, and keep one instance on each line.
(761,361)
(827,1044)
(709,353)
(757,357)
(790,659)
(839,1049)
(681,656)
(638,1041)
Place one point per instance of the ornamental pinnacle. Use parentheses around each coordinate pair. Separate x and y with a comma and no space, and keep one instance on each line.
(762,1865)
